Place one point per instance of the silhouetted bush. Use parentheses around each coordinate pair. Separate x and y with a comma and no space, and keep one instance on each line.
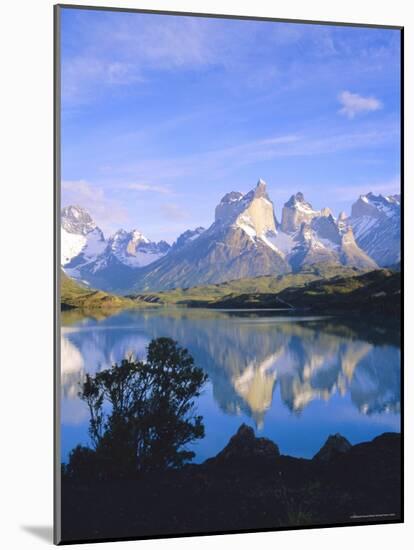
(142,415)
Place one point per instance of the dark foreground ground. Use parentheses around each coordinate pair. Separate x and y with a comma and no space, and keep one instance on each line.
(248,486)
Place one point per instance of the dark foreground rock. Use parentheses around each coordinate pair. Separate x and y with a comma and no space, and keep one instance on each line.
(247,486)
(335,444)
(244,448)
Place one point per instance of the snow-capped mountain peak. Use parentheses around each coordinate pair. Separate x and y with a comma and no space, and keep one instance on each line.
(324,240)
(375,220)
(133,249)
(138,236)
(296,211)
(87,255)
(261,190)
(187,237)
(298,200)
(238,244)
(229,207)
(77,220)
(234,204)
(245,240)
(128,238)
(81,239)
(256,218)
(376,205)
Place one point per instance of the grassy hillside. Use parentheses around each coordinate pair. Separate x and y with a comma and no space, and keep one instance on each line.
(318,288)
(376,291)
(73,295)
(199,296)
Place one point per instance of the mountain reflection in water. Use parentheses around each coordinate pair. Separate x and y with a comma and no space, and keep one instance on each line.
(276,372)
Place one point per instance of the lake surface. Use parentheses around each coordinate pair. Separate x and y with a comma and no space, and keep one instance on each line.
(295,380)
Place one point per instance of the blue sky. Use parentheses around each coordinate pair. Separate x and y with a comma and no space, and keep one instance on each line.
(163,115)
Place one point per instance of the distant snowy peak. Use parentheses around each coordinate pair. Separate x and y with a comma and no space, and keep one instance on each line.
(187,237)
(133,249)
(328,229)
(238,244)
(229,208)
(376,206)
(81,239)
(126,239)
(297,211)
(77,249)
(326,240)
(304,236)
(87,255)
(77,220)
(298,201)
(375,220)
(253,213)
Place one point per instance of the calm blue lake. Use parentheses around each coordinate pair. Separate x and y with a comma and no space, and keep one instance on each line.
(293,379)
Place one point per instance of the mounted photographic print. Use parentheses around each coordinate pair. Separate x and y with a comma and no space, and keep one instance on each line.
(228,274)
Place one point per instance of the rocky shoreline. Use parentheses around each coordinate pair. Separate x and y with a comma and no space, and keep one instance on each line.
(249,485)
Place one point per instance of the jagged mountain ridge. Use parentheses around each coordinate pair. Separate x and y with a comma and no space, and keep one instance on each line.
(376,222)
(103,263)
(297,211)
(237,245)
(245,240)
(81,239)
(325,240)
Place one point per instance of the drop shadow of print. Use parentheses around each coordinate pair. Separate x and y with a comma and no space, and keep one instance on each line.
(42,532)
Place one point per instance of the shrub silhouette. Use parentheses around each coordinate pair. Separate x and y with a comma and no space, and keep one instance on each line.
(142,414)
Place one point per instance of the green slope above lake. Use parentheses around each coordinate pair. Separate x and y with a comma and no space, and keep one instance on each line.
(206,295)
(376,291)
(73,295)
(318,288)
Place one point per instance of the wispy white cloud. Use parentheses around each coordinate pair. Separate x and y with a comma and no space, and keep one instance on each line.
(214,162)
(163,189)
(123,49)
(354,104)
(81,189)
(108,213)
(220,162)
(83,75)
(161,42)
